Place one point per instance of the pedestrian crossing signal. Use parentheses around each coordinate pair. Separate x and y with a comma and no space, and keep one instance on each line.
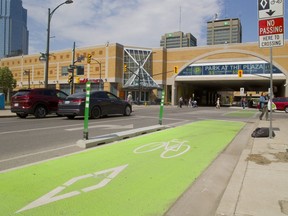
(175,69)
(240,73)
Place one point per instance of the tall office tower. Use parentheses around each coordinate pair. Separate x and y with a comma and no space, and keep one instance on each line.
(13,28)
(224,31)
(177,40)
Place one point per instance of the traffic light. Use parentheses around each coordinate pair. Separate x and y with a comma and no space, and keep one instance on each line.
(70,79)
(77,79)
(175,69)
(125,67)
(89,57)
(240,73)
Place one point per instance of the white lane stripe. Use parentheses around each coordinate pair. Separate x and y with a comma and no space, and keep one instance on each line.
(62,126)
(36,153)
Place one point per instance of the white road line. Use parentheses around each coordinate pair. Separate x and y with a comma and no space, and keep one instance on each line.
(36,153)
(62,126)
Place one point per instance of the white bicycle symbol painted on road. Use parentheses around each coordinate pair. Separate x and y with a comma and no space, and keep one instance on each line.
(173,148)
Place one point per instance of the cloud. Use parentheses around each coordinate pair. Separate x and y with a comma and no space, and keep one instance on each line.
(130,22)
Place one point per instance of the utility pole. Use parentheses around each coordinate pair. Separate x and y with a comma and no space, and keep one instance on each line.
(73,67)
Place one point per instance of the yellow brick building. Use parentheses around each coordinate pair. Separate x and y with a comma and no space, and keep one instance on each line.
(106,71)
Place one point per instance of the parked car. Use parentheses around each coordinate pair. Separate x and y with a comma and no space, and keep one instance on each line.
(38,102)
(281,103)
(102,103)
(278,103)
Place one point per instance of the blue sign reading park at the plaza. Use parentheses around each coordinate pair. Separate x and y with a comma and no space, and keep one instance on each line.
(228,69)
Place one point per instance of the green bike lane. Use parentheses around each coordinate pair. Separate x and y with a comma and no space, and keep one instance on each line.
(115,179)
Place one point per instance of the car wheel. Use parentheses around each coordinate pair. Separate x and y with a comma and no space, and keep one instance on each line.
(127,111)
(21,115)
(70,116)
(286,109)
(95,112)
(40,112)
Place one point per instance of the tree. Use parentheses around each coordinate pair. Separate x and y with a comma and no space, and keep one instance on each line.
(7,82)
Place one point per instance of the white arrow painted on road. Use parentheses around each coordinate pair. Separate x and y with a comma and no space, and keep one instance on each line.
(51,196)
(111,127)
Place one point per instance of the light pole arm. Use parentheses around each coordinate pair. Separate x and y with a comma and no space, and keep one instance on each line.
(50,14)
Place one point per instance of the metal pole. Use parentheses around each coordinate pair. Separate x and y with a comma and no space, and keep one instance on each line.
(139,84)
(73,65)
(271,92)
(48,41)
(28,79)
(161,108)
(100,76)
(47,51)
(86,113)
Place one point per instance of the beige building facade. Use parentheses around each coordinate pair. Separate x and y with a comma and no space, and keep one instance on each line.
(106,71)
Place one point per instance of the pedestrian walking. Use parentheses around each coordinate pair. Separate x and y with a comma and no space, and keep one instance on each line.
(263,106)
(194,104)
(218,103)
(180,102)
(190,102)
(130,99)
(243,102)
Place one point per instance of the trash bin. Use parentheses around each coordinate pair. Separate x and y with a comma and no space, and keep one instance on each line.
(2,101)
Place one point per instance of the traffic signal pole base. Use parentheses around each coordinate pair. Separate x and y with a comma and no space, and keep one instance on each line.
(85,135)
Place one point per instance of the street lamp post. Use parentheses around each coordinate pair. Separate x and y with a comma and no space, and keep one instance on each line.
(48,40)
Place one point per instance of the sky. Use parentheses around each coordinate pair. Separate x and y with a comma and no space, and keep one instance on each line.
(138,23)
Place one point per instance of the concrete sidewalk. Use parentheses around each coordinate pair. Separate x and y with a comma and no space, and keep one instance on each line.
(6,112)
(259,182)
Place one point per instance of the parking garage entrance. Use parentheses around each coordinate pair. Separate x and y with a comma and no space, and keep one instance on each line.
(204,82)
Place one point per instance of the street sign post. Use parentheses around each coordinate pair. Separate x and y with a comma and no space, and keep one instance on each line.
(271,33)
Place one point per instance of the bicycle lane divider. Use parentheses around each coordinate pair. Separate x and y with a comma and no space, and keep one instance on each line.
(113,179)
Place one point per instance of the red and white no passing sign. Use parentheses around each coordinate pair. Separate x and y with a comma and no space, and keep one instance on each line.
(271,32)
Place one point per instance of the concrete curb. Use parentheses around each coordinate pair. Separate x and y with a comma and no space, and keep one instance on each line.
(94,141)
(230,198)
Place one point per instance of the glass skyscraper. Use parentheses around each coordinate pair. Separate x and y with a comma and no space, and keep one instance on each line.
(13,28)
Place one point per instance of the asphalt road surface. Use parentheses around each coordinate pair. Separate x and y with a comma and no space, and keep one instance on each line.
(30,140)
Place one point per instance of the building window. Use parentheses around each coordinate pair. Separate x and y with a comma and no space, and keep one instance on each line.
(80,70)
(64,71)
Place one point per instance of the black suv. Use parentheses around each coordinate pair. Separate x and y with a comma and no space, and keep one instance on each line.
(38,102)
